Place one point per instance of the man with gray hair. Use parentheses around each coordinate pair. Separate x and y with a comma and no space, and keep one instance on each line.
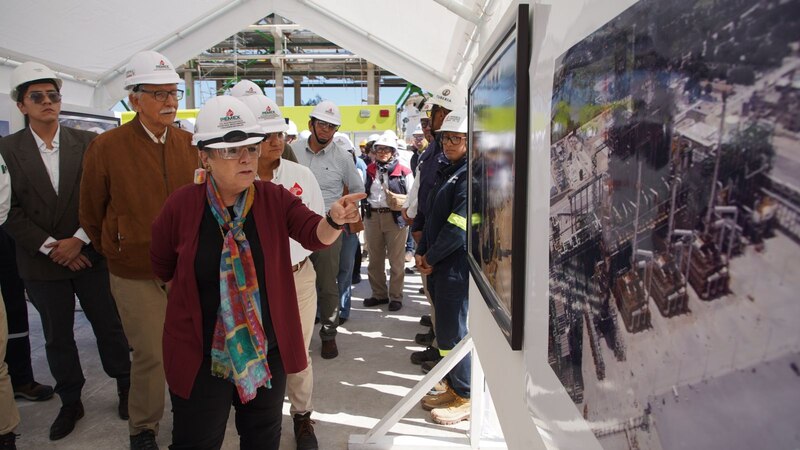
(128,174)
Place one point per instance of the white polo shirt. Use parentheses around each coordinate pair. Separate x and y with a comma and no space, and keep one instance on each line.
(299,180)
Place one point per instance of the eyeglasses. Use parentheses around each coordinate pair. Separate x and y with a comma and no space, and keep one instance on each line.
(454,140)
(425,123)
(326,126)
(277,135)
(382,149)
(162,96)
(38,96)
(237,152)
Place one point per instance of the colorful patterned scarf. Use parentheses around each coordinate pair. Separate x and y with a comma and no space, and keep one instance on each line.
(239,348)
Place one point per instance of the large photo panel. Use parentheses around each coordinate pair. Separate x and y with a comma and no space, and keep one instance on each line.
(674,238)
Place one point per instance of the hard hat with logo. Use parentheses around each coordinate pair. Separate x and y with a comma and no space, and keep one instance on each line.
(401,144)
(267,113)
(386,141)
(456,121)
(245,88)
(292,130)
(31,71)
(448,96)
(225,121)
(150,67)
(327,111)
(418,130)
(343,141)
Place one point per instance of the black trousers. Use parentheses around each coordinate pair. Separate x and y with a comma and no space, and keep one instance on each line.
(55,301)
(199,422)
(18,354)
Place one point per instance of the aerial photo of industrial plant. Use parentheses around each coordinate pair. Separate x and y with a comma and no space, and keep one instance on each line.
(675,225)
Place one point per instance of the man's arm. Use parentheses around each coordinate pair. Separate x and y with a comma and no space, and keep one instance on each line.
(351,176)
(95,195)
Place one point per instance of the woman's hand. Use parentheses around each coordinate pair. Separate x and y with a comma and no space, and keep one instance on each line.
(422,265)
(345,210)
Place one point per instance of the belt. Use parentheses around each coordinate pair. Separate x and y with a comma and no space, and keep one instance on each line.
(299,265)
(380,210)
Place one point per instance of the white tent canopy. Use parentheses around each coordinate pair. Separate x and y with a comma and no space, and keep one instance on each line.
(88,42)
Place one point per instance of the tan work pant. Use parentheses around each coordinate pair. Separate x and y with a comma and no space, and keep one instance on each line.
(142,305)
(300,385)
(385,239)
(9,415)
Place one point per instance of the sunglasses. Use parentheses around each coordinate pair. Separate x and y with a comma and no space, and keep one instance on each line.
(162,96)
(454,140)
(326,126)
(237,152)
(39,96)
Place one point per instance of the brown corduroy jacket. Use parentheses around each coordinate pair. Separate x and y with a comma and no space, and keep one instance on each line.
(126,180)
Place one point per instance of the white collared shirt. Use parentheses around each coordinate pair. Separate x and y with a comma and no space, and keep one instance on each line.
(51,164)
(5,190)
(157,140)
(299,180)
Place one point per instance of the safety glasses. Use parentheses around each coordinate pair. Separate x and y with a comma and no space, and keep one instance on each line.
(382,149)
(237,152)
(325,125)
(162,96)
(39,96)
(453,140)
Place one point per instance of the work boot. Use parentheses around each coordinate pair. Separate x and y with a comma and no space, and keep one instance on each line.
(427,366)
(146,440)
(34,392)
(455,411)
(7,441)
(122,408)
(426,321)
(304,432)
(329,349)
(429,354)
(442,399)
(68,415)
(439,388)
(425,339)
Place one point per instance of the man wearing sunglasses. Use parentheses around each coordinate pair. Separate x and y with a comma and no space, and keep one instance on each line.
(128,174)
(334,169)
(54,259)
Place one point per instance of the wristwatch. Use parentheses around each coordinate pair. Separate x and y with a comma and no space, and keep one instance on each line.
(331,222)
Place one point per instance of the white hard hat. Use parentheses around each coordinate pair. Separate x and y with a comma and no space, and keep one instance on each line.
(150,67)
(448,96)
(245,88)
(327,111)
(267,113)
(31,71)
(373,137)
(343,141)
(390,133)
(418,130)
(456,121)
(304,134)
(401,144)
(292,130)
(225,121)
(386,141)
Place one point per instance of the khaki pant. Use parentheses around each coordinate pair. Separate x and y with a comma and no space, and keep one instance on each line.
(385,239)
(9,415)
(142,305)
(299,386)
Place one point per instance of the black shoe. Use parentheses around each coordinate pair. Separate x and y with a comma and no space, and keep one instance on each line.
(304,432)
(7,441)
(422,290)
(429,354)
(342,320)
(356,280)
(65,421)
(329,349)
(409,271)
(425,339)
(34,392)
(372,301)
(146,440)
(427,366)
(395,305)
(122,408)
(425,320)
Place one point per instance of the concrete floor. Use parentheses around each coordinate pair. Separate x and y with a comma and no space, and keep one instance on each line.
(351,392)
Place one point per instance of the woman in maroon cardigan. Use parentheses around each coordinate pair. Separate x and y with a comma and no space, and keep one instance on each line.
(232,329)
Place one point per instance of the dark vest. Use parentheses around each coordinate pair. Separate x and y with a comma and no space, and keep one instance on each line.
(397,183)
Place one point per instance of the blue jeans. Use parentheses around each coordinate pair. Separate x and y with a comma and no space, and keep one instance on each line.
(345,278)
(448,286)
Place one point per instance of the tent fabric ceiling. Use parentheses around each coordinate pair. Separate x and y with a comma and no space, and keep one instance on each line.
(89,41)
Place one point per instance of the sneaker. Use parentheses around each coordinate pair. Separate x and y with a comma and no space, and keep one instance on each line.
(304,432)
(429,354)
(409,256)
(425,320)
(146,440)
(372,301)
(425,339)
(68,415)
(7,441)
(454,412)
(34,392)
(329,349)
(427,366)
(442,399)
